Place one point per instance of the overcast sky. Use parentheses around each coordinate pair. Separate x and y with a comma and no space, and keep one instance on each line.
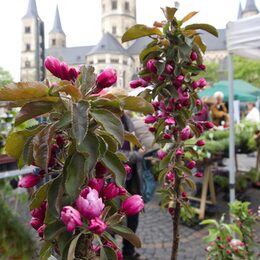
(81,20)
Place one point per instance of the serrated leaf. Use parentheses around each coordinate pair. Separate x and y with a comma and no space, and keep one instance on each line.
(64,121)
(42,146)
(110,122)
(136,104)
(115,166)
(138,31)
(188,16)
(28,151)
(75,175)
(80,121)
(23,91)
(31,110)
(67,87)
(86,79)
(107,253)
(202,26)
(127,233)
(90,147)
(169,12)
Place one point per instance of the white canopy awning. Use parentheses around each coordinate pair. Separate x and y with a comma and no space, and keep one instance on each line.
(243,37)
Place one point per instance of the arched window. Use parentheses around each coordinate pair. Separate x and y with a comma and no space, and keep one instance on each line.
(114,30)
(127,6)
(114,4)
(27,64)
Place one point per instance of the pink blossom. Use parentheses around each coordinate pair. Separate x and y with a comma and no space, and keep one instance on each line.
(161,154)
(40,230)
(236,243)
(202,83)
(170,176)
(101,170)
(132,205)
(106,78)
(193,56)
(191,164)
(150,119)
(185,133)
(169,121)
(200,127)
(91,206)
(60,140)
(199,174)
(97,226)
(39,212)
(200,142)
(202,66)
(110,191)
(128,169)
(184,194)
(167,136)
(150,65)
(179,152)
(29,180)
(85,192)
(155,104)
(138,83)
(36,223)
(198,102)
(71,218)
(168,69)
(194,84)
(183,96)
(180,78)
(152,129)
(208,125)
(161,78)
(53,65)
(97,184)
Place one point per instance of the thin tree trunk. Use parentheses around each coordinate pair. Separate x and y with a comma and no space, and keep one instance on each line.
(176,220)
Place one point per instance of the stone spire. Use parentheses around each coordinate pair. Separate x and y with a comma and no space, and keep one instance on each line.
(31,10)
(240,11)
(57,23)
(250,8)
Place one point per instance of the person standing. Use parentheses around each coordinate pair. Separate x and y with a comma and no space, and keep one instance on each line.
(253,114)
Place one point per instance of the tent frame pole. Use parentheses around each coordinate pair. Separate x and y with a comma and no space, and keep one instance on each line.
(232,170)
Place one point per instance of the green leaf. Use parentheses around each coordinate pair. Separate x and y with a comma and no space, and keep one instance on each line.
(90,147)
(205,27)
(188,16)
(42,146)
(46,251)
(115,166)
(28,151)
(80,121)
(213,233)
(136,104)
(209,222)
(54,196)
(200,43)
(169,12)
(31,110)
(64,121)
(15,141)
(52,230)
(107,253)
(110,122)
(106,103)
(86,79)
(63,242)
(138,31)
(112,144)
(147,51)
(127,233)
(39,195)
(72,247)
(132,139)
(190,183)
(75,175)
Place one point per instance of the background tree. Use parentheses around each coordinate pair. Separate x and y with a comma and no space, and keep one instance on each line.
(5,77)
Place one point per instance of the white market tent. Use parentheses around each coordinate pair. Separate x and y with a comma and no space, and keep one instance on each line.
(243,38)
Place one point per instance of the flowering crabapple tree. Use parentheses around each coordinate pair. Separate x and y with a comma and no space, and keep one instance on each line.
(170,63)
(76,212)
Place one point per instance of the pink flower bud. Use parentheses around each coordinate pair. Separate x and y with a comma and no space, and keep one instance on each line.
(39,213)
(179,152)
(64,70)
(180,78)
(169,121)
(73,74)
(202,83)
(150,65)
(198,102)
(97,226)
(161,154)
(161,78)
(122,191)
(168,69)
(199,174)
(128,169)
(208,125)
(185,133)
(97,184)
(60,140)
(106,78)
(36,223)
(167,136)
(152,129)
(193,56)
(147,78)
(100,170)
(71,218)
(170,176)
(150,119)
(191,164)
(229,251)
(52,64)
(171,210)
(91,206)
(194,84)
(178,106)
(132,205)
(200,128)
(110,191)
(202,66)
(155,104)
(29,181)
(40,230)
(200,142)
(184,194)
(138,83)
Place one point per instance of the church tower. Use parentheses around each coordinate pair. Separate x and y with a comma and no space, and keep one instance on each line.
(250,9)
(118,16)
(32,55)
(57,38)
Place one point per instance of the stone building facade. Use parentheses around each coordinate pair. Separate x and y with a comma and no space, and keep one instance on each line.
(117,17)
